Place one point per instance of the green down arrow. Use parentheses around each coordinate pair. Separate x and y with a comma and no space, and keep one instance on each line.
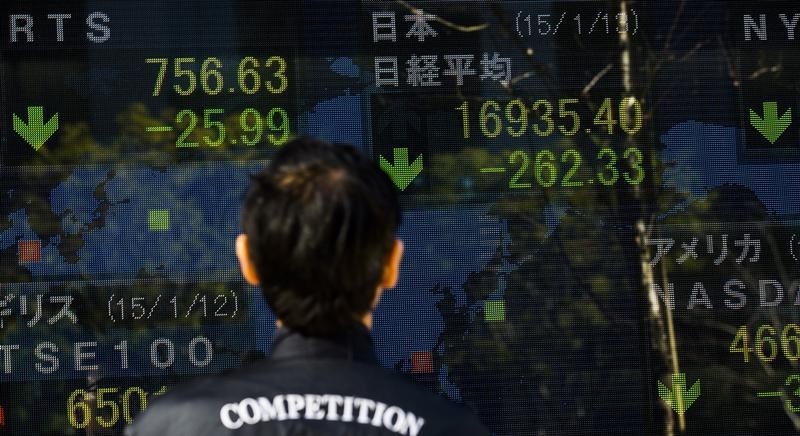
(679,398)
(770,125)
(36,132)
(402,173)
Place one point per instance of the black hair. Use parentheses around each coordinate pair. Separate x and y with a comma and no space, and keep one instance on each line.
(321,221)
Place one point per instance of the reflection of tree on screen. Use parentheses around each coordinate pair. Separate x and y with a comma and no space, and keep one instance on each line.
(585,338)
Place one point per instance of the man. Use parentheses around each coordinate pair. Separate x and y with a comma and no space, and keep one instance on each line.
(319,239)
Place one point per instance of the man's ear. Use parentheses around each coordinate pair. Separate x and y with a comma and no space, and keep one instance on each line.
(245,263)
(391,269)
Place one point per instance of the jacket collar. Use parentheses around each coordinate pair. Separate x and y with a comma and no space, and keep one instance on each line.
(351,344)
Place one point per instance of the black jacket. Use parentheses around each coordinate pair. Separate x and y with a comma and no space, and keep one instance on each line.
(309,387)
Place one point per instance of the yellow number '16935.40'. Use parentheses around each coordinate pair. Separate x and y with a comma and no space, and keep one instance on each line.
(515,118)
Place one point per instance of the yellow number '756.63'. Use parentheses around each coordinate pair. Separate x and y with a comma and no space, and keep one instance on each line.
(251,73)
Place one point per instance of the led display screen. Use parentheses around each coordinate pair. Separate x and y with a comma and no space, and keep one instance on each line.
(601,202)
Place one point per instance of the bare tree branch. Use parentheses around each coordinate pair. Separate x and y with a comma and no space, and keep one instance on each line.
(450,24)
(595,79)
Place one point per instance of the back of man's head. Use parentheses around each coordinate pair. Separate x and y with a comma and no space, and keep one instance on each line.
(320,222)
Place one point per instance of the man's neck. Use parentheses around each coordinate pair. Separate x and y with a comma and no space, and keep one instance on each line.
(366,320)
